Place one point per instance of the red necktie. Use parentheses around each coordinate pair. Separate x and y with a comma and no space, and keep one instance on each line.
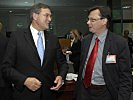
(90,65)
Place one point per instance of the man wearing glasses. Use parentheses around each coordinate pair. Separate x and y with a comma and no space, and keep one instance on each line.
(105,69)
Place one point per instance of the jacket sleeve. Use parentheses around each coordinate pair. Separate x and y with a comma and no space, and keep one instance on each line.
(61,62)
(8,65)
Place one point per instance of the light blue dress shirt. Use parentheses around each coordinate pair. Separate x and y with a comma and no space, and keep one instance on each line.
(97,75)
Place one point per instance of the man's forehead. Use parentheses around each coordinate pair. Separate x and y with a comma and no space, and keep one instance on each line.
(47,10)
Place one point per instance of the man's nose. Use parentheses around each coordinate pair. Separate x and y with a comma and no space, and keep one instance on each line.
(88,22)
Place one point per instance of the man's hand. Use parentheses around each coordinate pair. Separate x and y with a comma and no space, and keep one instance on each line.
(58,81)
(32,83)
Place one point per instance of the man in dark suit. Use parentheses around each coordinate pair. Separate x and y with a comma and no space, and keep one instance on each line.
(130,44)
(5,86)
(109,77)
(130,41)
(33,76)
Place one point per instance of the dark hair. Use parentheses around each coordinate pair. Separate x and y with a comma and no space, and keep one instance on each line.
(126,31)
(105,12)
(37,8)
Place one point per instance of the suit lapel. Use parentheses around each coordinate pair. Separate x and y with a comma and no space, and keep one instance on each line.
(87,43)
(30,41)
(46,46)
(85,50)
(107,46)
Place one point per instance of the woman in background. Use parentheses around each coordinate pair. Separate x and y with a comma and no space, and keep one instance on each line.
(75,48)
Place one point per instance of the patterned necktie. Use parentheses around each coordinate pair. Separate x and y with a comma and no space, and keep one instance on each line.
(90,65)
(40,47)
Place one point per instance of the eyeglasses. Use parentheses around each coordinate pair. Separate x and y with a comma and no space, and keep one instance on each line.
(93,19)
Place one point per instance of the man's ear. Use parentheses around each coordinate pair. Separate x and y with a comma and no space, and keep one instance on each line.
(105,21)
(35,16)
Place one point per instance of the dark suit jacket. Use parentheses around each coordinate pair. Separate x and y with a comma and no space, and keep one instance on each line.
(117,76)
(75,56)
(22,61)
(3,44)
(130,44)
(5,86)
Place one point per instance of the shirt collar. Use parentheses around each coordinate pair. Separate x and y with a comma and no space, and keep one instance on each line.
(102,36)
(35,30)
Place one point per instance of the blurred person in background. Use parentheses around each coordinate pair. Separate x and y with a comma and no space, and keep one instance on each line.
(130,41)
(5,86)
(130,44)
(75,48)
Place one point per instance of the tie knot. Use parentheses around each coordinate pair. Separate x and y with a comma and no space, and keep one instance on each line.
(97,40)
(39,33)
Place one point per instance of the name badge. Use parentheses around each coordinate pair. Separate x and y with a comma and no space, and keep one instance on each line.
(110,59)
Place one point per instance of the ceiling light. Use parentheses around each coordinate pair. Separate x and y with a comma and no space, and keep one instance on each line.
(85,10)
(126,7)
(10,11)
(25,2)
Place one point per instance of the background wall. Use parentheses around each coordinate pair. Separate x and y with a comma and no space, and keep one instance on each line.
(63,19)
(70,18)
(67,14)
